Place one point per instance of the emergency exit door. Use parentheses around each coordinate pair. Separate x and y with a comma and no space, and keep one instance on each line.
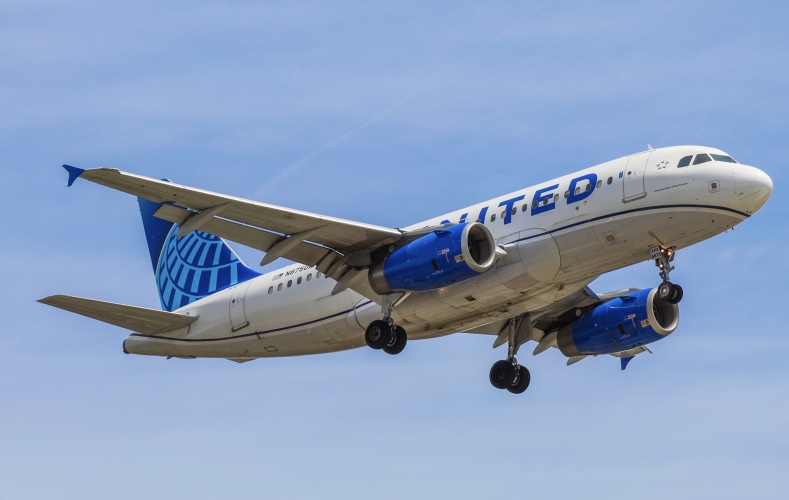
(238,316)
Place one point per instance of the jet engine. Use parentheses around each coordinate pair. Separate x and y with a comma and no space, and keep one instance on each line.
(441,258)
(623,323)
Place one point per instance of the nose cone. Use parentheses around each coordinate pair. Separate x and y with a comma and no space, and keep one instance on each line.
(753,187)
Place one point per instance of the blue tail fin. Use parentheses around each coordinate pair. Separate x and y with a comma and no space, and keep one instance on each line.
(191,267)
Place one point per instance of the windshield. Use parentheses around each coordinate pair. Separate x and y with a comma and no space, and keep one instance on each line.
(704,158)
(726,158)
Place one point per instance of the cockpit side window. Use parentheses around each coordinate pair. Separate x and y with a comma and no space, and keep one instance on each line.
(726,158)
(702,158)
(684,162)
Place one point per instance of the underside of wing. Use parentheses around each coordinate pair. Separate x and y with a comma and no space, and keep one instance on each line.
(339,248)
(339,234)
(138,319)
(549,318)
(545,325)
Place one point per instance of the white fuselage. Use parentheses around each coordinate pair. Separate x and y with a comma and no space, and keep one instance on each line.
(557,241)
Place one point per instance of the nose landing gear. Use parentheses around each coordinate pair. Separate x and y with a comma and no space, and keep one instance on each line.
(667,291)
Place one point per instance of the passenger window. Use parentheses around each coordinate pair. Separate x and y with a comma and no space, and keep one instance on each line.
(555,198)
(589,187)
(577,189)
(727,159)
(493,217)
(309,277)
(514,210)
(279,287)
(525,207)
(298,281)
(317,275)
(503,214)
(702,158)
(270,290)
(567,194)
(610,180)
(684,162)
(535,204)
(599,183)
(290,282)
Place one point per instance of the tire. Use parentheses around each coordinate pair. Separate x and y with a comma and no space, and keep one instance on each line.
(522,381)
(666,291)
(502,374)
(678,294)
(397,342)
(378,334)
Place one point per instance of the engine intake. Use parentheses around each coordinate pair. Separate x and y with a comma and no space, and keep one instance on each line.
(623,323)
(438,259)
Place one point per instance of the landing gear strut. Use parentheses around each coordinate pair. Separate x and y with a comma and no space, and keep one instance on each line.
(385,334)
(667,291)
(508,373)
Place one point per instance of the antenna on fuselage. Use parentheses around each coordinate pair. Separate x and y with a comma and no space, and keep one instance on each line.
(650,148)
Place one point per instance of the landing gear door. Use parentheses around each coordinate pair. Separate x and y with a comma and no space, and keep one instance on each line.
(633,182)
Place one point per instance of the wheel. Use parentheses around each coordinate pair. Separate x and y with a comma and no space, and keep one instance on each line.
(397,343)
(502,374)
(522,379)
(378,334)
(678,293)
(666,291)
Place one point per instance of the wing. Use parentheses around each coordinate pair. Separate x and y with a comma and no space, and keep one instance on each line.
(542,324)
(337,247)
(139,319)
(544,319)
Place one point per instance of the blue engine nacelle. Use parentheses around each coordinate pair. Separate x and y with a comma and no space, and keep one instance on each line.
(438,259)
(623,323)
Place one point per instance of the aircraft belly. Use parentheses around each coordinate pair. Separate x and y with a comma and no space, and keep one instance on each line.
(627,239)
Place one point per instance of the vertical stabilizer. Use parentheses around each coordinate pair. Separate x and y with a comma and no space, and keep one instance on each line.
(190,267)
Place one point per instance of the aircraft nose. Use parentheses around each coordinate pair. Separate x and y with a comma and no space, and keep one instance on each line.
(753,187)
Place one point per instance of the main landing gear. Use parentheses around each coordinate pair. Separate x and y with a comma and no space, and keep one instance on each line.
(508,373)
(667,291)
(384,334)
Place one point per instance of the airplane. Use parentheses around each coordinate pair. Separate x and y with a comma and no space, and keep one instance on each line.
(517,267)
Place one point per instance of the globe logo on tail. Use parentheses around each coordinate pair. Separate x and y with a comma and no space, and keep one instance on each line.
(195,266)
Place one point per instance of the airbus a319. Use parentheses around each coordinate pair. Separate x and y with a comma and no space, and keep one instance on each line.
(517,267)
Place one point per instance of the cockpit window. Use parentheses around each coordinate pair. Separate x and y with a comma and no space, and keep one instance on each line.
(727,159)
(702,158)
(684,162)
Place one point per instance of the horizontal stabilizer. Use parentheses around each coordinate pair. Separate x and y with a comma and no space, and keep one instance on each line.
(139,319)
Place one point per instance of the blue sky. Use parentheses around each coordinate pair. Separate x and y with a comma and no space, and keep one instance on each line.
(389,115)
